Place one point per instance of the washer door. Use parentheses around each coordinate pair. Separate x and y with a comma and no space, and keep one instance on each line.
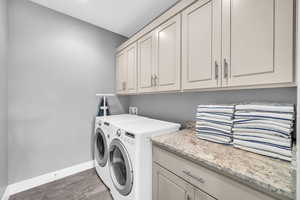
(120,167)
(101,148)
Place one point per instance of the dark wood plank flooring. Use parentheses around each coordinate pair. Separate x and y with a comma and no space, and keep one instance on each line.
(82,186)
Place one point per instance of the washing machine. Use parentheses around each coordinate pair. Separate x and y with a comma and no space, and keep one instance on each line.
(103,130)
(130,157)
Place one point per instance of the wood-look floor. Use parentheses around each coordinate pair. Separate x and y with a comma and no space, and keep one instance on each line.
(82,186)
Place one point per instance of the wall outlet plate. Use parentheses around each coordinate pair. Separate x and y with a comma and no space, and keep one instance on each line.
(133,110)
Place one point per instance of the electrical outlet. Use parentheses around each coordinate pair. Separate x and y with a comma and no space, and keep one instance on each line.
(133,110)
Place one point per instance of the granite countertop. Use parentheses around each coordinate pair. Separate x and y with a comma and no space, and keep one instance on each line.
(272,176)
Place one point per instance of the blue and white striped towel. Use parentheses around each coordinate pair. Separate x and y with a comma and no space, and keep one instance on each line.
(264,152)
(266,107)
(281,150)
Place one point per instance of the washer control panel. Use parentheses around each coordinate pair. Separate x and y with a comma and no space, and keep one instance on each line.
(125,136)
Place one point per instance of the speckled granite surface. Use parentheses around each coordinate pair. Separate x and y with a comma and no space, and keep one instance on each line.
(268,175)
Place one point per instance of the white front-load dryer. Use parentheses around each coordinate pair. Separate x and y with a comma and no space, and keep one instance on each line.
(103,131)
(130,157)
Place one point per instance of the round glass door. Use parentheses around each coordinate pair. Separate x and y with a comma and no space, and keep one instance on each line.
(120,167)
(101,149)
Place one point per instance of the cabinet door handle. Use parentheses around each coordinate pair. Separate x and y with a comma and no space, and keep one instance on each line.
(124,85)
(216,70)
(188,197)
(152,84)
(155,80)
(225,68)
(199,179)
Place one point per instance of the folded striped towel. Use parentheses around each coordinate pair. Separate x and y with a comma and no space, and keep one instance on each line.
(262,131)
(265,122)
(266,119)
(216,139)
(283,116)
(278,149)
(265,126)
(214,120)
(266,107)
(250,138)
(216,116)
(263,152)
(219,110)
(205,124)
(217,106)
(257,136)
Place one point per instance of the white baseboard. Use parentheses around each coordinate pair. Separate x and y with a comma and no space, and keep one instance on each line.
(5,195)
(46,178)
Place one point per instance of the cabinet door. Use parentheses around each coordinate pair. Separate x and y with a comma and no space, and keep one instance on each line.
(167,55)
(146,63)
(121,72)
(131,53)
(167,186)
(199,195)
(201,45)
(257,42)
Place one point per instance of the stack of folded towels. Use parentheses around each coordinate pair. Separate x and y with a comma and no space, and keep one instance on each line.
(264,129)
(214,123)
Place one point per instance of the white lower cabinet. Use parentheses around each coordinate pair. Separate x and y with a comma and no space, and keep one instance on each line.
(167,186)
(175,178)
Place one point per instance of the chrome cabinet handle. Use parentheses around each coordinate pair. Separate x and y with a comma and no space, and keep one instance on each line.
(155,80)
(152,81)
(124,85)
(188,197)
(199,179)
(216,70)
(225,68)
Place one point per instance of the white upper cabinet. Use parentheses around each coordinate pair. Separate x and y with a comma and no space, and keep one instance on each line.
(167,55)
(201,45)
(211,44)
(121,72)
(257,42)
(146,63)
(126,63)
(131,53)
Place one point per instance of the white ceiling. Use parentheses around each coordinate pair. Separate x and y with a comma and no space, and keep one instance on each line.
(124,17)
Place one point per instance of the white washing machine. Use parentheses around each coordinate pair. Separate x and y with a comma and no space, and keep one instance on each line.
(103,131)
(130,157)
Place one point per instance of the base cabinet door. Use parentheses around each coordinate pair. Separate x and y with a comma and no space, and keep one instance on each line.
(257,42)
(121,72)
(167,186)
(201,45)
(199,195)
(167,55)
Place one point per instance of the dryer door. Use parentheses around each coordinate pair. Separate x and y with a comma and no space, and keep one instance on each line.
(120,166)
(101,148)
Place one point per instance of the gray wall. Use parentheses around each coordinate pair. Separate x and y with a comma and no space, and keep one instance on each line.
(56,66)
(182,106)
(3,96)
